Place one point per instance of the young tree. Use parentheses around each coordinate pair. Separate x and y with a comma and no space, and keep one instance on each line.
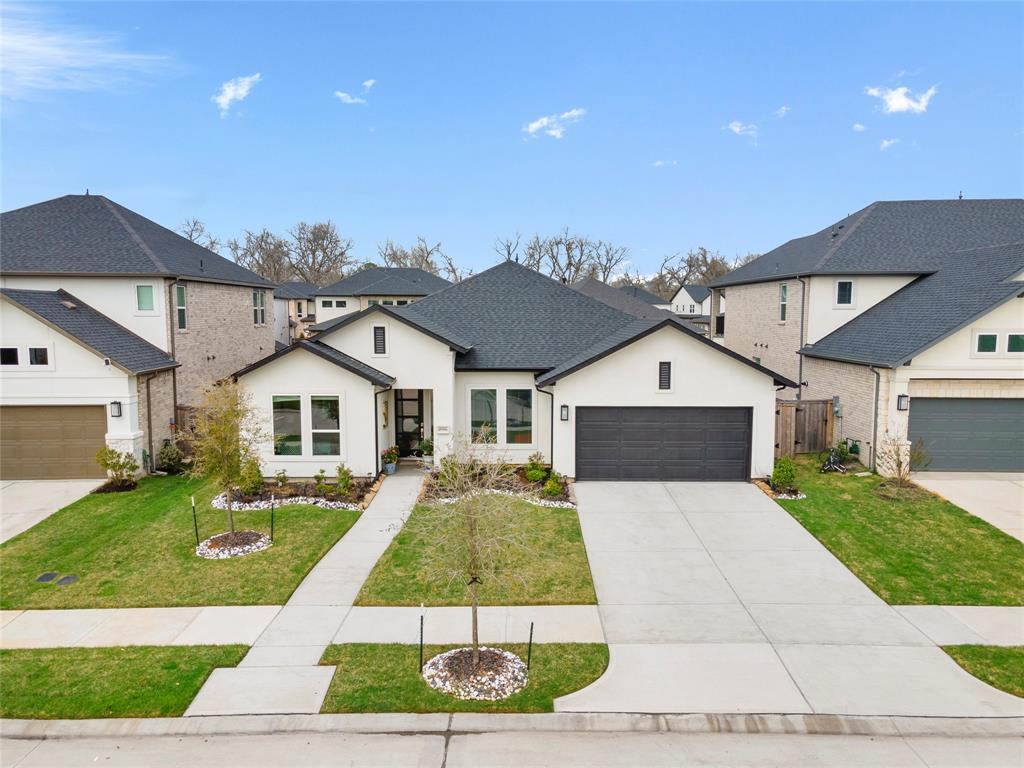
(319,255)
(264,253)
(473,536)
(224,439)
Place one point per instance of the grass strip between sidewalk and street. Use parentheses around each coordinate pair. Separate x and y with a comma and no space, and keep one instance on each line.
(378,677)
(79,683)
(1001,667)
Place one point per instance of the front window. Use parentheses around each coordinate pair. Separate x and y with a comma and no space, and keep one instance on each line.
(326,425)
(38,356)
(519,416)
(259,307)
(986,342)
(783,296)
(483,416)
(179,295)
(287,425)
(144,298)
(1015,342)
(844,292)
(9,356)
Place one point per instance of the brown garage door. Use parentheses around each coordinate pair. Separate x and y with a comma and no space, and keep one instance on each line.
(51,442)
(663,443)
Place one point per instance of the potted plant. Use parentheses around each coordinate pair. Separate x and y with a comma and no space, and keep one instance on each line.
(389,458)
(427,450)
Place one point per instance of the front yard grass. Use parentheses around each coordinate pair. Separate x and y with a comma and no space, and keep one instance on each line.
(1001,667)
(922,551)
(385,678)
(75,683)
(554,570)
(137,549)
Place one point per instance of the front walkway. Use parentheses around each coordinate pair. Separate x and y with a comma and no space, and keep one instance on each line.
(23,503)
(714,599)
(995,497)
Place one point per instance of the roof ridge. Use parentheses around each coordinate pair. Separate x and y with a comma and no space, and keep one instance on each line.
(134,235)
(865,213)
(987,247)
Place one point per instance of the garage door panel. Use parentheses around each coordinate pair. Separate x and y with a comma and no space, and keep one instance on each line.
(51,442)
(979,434)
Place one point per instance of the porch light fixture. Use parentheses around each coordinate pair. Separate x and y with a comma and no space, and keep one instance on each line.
(902,402)
(115,408)
(564,412)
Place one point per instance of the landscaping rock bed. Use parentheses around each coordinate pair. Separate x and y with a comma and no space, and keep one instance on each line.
(220,502)
(537,501)
(233,544)
(498,675)
(766,486)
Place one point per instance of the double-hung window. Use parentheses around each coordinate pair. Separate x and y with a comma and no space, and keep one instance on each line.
(783,298)
(326,422)
(287,425)
(519,416)
(179,297)
(483,415)
(298,308)
(259,307)
(144,298)
(844,293)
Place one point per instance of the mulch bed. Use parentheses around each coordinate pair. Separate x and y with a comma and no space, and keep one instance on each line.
(233,544)
(765,486)
(358,491)
(520,487)
(498,675)
(117,486)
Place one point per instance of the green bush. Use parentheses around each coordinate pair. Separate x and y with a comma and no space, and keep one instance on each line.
(121,467)
(344,480)
(553,487)
(427,446)
(320,478)
(537,475)
(784,475)
(170,459)
(250,482)
(282,478)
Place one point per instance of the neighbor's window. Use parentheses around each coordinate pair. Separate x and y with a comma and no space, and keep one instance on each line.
(483,416)
(259,307)
(326,425)
(1015,342)
(328,304)
(844,292)
(402,302)
(783,294)
(986,342)
(691,309)
(380,345)
(144,298)
(9,356)
(388,303)
(340,304)
(38,356)
(519,416)
(298,308)
(372,303)
(179,295)
(287,425)
(664,375)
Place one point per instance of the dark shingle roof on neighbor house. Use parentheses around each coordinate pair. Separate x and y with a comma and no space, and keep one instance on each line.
(640,294)
(889,237)
(386,281)
(295,290)
(91,235)
(697,292)
(329,354)
(92,329)
(966,285)
(620,300)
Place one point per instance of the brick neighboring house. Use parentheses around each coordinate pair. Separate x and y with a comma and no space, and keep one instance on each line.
(911,313)
(110,323)
(297,301)
(373,286)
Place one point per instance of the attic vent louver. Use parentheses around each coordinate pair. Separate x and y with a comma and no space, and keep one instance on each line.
(69,305)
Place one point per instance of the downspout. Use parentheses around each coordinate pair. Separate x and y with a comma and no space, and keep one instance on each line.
(376,427)
(874,418)
(800,363)
(551,427)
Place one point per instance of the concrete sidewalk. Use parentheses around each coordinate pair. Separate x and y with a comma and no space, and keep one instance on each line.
(967,624)
(23,503)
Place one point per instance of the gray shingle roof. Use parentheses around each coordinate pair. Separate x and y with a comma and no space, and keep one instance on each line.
(89,234)
(618,299)
(697,292)
(893,237)
(641,294)
(966,285)
(330,354)
(428,326)
(295,290)
(386,281)
(92,329)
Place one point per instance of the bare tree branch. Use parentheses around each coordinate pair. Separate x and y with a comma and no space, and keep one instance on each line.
(195,230)
(319,254)
(264,253)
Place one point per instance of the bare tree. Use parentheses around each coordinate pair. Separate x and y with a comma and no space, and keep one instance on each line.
(606,258)
(196,231)
(319,255)
(508,247)
(264,253)
(422,255)
(453,271)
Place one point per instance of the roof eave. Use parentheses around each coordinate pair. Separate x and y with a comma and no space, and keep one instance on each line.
(383,380)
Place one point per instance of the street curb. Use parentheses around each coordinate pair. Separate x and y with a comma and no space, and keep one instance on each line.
(819,725)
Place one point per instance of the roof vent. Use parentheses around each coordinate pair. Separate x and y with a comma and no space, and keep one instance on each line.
(69,304)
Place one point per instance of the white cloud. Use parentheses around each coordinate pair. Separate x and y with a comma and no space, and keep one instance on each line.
(742,129)
(234,90)
(782,111)
(368,84)
(554,125)
(886,143)
(901,99)
(664,163)
(348,98)
(859,128)
(42,55)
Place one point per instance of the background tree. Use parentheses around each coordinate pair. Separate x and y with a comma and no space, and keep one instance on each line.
(264,253)
(422,255)
(196,231)
(318,254)
(224,438)
(565,256)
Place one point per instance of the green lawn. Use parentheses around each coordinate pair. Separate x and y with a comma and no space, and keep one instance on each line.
(918,552)
(75,683)
(1000,667)
(137,549)
(554,572)
(386,678)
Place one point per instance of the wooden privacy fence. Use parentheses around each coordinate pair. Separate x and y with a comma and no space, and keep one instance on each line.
(802,426)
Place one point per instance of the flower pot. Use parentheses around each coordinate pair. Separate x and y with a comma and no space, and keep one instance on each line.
(428,460)
(390,469)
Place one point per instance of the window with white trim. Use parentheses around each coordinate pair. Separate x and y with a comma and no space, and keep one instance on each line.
(179,296)
(144,298)
(326,425)
(8,355)
(1015,343)
(299,307)
(844,293)
(38,356)
(259,307)
(287,425)
(986,343)
(783,300)
(483,415)
(518,416)
(327,304)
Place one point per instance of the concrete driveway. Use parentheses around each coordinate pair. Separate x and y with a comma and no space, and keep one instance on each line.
(23,503)
(995,497)
(713,599)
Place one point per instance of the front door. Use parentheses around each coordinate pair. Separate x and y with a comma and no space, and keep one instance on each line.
(409,424)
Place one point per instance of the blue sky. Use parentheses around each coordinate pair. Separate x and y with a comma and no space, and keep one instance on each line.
(750,110)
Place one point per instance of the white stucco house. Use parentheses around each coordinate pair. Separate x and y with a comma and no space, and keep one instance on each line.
(692,301)
(388,286)
(601,393)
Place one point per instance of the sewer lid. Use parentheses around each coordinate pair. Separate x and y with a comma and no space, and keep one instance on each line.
(45,577)
(65,580)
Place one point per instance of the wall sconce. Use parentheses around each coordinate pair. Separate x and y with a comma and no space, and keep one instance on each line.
(115,408)
(902,402)
(564,412)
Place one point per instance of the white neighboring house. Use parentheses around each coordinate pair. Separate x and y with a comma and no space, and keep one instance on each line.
(388,286)
(601,393)
(641,294)
(692,301)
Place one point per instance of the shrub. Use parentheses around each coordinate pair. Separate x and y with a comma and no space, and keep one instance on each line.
(843,451)
(170,458)
(282,478)
(784,475)
(427,446)
(250,481)
(344,480)
(121,467)
(553,487)
(321,483)
(536,474)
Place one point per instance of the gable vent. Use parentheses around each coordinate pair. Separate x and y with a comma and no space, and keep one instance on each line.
(664,375)
(379,345)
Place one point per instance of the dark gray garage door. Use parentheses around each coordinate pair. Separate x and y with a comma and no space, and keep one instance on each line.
(979,434)
(663,443)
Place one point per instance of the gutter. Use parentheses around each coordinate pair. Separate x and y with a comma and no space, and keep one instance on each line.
(874,418)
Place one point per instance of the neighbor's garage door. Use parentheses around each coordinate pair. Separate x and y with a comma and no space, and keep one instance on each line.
(663,443)
(979,434)
(51,442)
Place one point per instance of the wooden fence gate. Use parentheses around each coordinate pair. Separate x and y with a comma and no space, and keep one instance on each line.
(802,426)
